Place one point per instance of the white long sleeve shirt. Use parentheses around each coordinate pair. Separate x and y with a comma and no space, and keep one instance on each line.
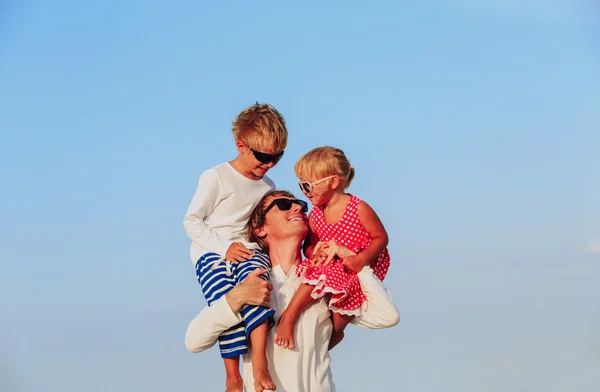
(307,368)
(220,209)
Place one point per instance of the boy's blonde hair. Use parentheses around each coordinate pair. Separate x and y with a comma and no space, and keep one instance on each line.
(261,126)
(325,161)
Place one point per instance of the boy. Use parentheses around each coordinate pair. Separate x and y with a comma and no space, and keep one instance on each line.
(216,221)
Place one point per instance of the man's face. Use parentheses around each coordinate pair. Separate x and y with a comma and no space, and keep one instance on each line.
(284,224)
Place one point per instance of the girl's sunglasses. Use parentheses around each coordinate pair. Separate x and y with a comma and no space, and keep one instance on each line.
(307,187)
(266,158)
(286,204)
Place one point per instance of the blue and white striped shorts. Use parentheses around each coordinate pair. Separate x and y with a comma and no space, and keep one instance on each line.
(216,277)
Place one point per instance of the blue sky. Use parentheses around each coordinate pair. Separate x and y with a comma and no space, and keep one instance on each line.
(473,127)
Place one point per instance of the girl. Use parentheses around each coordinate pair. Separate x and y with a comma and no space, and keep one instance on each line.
(345,236)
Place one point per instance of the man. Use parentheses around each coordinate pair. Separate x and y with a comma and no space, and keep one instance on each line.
(280,224)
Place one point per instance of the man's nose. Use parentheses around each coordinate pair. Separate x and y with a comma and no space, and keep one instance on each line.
(296,207)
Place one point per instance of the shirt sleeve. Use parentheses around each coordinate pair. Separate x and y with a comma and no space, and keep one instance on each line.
(381,312)
(207,196)
(204,330)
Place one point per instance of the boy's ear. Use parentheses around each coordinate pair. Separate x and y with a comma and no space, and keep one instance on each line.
(240,145)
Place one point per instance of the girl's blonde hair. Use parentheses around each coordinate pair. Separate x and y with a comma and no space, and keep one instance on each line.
(324,161)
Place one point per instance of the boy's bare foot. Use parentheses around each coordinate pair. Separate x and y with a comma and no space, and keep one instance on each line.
(234,384)
(263,380)
(285,332)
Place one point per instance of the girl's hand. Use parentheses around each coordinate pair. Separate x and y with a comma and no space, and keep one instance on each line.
(331,249)
(319,253)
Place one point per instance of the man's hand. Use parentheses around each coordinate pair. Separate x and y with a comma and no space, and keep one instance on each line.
(354,263)
(252,291)
(238,252)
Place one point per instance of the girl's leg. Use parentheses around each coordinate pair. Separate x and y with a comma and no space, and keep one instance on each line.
(285,330)
(233,380)
(340,322)
(260,366)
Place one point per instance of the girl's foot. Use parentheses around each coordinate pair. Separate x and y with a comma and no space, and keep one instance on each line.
(285,332)
(263,380)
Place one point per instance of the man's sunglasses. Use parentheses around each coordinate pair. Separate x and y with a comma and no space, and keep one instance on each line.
(266,158)
(286,204)
(307,187)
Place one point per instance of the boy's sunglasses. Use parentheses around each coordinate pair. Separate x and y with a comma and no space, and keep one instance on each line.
(307,187)
(286,204)
(266,158)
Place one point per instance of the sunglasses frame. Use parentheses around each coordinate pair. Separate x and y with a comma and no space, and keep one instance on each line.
(276,202)
(310,185)
(265,158)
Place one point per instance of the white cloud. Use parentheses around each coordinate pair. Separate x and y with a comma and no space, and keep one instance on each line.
(593,247)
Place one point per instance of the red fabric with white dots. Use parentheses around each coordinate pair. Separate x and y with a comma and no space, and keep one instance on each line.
(346,295)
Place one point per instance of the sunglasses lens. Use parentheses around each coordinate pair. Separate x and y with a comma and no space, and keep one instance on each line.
(277,158)
(303,204)
(284,204)
(305,187)
(267,158)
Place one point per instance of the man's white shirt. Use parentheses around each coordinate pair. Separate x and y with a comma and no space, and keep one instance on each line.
(307,367)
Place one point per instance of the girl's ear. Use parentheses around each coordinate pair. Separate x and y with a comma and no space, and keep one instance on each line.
(335,182)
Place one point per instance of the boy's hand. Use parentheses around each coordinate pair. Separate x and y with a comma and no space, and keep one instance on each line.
(238,252)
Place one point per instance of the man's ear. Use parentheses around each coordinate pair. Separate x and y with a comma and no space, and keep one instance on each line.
(260,232)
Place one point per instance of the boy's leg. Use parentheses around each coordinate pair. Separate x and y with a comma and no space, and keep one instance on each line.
(216,280)
(285,329)
(257,320)
(233,381)
(260,366)
(254,315)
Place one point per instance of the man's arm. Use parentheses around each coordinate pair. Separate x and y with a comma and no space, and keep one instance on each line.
(212,321)
(381,311)
(206,198)
(204,330)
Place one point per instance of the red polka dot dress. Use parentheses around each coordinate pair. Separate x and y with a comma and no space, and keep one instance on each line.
(346,294)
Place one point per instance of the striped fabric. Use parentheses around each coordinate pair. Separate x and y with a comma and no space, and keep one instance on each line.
(216,277)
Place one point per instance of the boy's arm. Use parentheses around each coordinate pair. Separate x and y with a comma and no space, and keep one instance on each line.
(207,196)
